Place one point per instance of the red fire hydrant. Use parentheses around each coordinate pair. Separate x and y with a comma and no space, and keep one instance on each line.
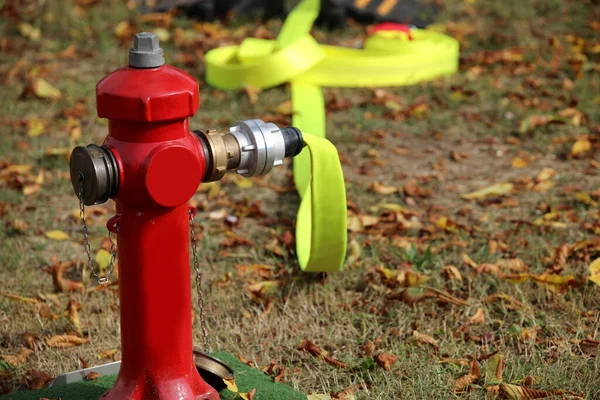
(151,165)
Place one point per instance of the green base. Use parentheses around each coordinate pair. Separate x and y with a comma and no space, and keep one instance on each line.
(246,379)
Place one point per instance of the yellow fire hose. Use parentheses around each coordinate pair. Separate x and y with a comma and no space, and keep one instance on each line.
(386,60)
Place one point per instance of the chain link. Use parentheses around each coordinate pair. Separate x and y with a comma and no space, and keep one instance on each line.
(194,242)
(86,242)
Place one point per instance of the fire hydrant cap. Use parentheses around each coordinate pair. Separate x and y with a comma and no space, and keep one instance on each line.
(147,95)
(146,52)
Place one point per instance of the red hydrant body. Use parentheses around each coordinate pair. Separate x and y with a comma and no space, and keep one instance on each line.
(161,165)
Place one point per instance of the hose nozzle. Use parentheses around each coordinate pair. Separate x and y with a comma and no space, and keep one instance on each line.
(251,147)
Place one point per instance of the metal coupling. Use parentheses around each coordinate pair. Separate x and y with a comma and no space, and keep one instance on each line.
(94,173)
(251,147)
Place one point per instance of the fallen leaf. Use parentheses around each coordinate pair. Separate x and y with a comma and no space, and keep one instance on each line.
(57,235)
(37,379)
(72,314)
(595,271)
(533,122)
(30,32)
(515,392)
(494,190)
(555,283)
(103,259)
(425,339)
(585,198)
(91,376)
(230,384)
(20,358)
(61,284)
(545,174)
(452,273)
(385,360)
(44,90)
(107,354)
(65,341)
(462,383)
(478,317)
(581,145)
(380,188)
(493,370)
(17,297)
(35,127)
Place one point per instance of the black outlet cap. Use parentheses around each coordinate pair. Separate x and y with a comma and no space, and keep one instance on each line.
(294,142)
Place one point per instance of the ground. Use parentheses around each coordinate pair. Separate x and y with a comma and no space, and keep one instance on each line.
(435,278)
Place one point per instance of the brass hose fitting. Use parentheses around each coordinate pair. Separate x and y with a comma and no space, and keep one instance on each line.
(252,148)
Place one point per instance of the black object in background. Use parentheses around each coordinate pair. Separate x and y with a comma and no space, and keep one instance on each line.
(333,12)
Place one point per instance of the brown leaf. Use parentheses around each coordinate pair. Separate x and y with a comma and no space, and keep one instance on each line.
(66,340)
(385,360)
(478,317)
(515,392)
(462,383)
(110,353)
(37,379)
(425,339)
(336,363)
(20,358)
(560,258)
(452,273)
(17,297)
(61,284)
(91,376)
(310,348)
(249,395)
(71,313)
(30,340)
(380,188)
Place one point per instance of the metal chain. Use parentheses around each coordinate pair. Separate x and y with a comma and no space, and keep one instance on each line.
(199,284)
(86,242)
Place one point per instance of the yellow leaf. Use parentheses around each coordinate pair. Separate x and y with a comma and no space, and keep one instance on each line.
(163,34)
(231,385)
(543,186)
(586,199)
(317,396)
(249,395)
(519,162)
(493,371)
(595,271)
(241,181)
(30,32)
(103,259)
(555,283)
(44,90)
(35,127)
(545,174)
(57,235)
(494,190)
(123,29)
(582,145)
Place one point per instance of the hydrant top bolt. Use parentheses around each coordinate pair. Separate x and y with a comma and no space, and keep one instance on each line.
(146,51)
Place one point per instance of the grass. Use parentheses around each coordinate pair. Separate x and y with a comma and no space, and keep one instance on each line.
(475,113)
